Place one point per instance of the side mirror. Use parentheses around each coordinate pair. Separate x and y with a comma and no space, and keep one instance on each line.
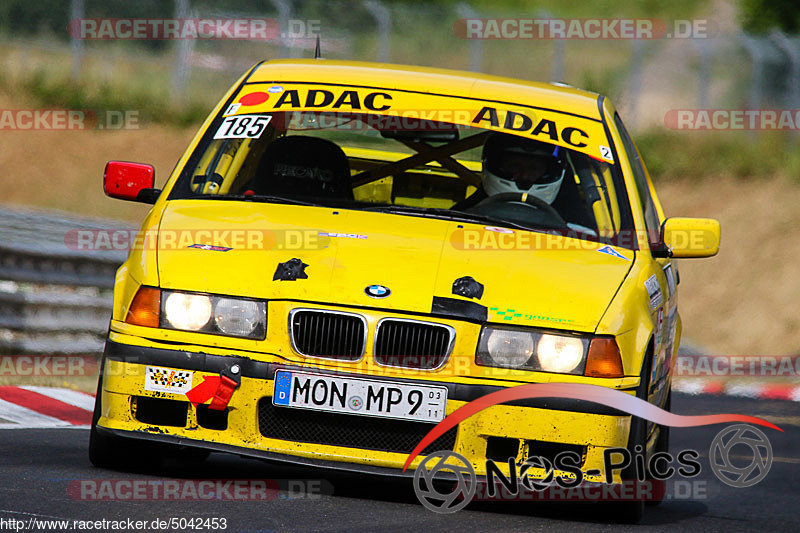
(130,181)
(690,237)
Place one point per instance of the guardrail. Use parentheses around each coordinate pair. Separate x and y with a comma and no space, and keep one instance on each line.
(53,298)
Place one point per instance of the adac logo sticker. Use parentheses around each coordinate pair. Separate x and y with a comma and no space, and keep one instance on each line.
(523,122)
(374,101)
(377,291)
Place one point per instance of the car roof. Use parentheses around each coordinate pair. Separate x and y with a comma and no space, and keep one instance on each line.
(423,80)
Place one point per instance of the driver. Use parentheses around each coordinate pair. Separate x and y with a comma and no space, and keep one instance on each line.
(513,164)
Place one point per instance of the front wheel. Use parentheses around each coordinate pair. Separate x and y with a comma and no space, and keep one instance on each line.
(662,445)
(632,511)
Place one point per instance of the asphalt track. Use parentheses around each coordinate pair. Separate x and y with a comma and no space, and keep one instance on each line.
(41,469)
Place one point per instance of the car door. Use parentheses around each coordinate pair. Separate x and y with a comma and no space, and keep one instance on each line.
(664,281)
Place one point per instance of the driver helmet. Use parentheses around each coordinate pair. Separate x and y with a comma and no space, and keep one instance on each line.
(513,164)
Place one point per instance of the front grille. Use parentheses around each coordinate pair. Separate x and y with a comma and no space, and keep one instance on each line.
(350,431)
(412,344)
(329,334)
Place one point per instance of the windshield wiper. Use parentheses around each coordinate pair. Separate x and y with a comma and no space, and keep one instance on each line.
(449,214)
(256,198)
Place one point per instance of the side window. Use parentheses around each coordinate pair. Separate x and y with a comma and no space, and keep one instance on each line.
(651,219)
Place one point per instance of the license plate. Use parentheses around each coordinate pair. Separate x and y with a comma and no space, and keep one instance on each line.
(423,403)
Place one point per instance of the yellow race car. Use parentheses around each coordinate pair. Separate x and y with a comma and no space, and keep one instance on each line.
(348,252)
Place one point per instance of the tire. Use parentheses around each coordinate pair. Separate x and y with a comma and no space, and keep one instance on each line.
(662,445)
(631,512)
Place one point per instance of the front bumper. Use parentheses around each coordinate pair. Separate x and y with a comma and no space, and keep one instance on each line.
(251,426)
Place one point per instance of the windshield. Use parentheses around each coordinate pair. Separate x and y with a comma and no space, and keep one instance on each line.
(404,167)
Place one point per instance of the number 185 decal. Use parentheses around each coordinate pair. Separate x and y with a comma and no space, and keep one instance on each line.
(243,127)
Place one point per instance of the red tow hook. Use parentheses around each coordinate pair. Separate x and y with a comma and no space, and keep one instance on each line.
(229,380)
(221,388)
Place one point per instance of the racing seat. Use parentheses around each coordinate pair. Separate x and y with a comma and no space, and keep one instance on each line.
(298,165)
(571,206)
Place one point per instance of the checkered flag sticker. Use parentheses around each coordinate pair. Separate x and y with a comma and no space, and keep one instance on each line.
(159,379)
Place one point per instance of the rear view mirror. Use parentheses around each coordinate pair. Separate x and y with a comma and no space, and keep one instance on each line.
(130,181)
(691,237)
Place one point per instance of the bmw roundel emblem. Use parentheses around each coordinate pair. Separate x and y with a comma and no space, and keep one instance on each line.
(377,291)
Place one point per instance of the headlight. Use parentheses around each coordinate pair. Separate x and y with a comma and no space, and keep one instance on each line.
(509,348)
(236,317)
(559,354)
(530,349)
(187,311)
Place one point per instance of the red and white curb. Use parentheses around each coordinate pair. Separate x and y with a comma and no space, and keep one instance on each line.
(29,407)
(759,391)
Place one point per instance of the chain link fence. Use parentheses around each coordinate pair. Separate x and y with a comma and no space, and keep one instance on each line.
(721,69)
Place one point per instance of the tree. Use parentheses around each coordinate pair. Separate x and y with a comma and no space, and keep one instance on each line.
(761,16)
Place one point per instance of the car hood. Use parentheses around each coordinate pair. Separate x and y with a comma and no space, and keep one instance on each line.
(236,248)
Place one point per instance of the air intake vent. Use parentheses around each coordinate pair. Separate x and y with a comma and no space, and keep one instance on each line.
(329,334)
(413,344)
(350,431)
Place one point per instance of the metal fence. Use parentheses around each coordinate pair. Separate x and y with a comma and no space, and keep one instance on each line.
(53,298)
(723,68)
